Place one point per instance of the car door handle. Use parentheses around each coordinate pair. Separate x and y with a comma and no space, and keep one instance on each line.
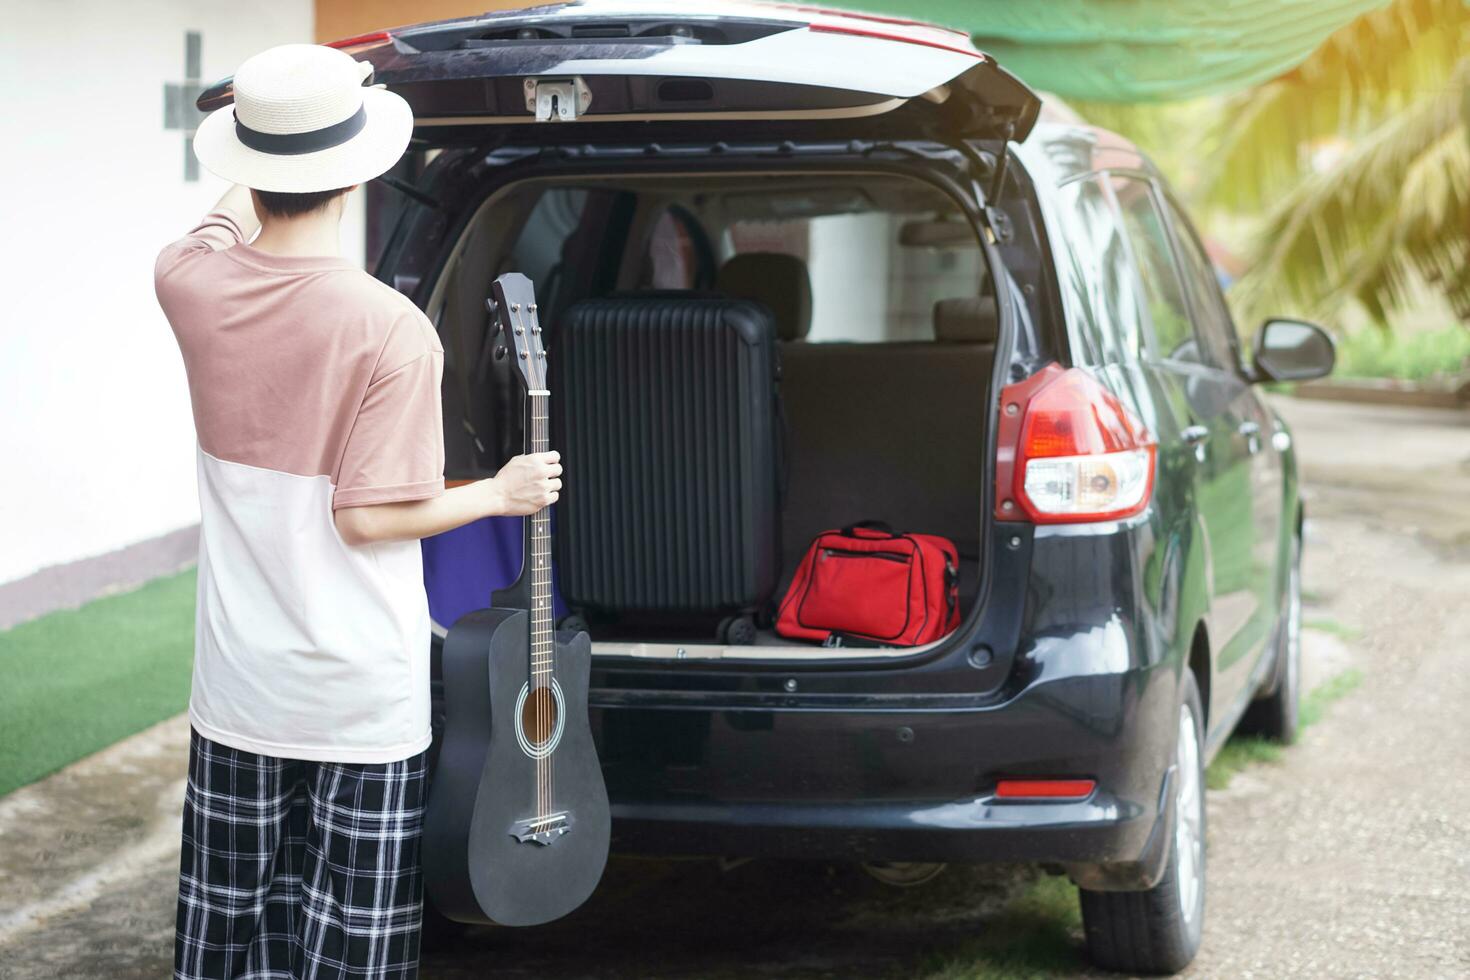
(1193,435)
(1252,433)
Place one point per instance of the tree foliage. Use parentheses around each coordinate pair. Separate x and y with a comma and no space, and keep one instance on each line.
(1385,101)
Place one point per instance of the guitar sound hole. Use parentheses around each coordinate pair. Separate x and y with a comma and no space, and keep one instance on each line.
(538,716)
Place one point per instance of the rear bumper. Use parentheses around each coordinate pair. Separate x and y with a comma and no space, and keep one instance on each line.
(909,785)
(1101,830)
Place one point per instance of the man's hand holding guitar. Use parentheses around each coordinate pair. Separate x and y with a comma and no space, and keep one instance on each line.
(523,486)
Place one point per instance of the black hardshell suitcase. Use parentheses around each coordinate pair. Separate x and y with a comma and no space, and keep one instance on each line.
(667,410)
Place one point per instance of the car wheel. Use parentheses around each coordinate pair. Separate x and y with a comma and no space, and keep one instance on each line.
(438,932)
(1275,715)
(1158,930)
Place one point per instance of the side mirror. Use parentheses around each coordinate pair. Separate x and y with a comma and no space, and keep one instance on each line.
(1292,350)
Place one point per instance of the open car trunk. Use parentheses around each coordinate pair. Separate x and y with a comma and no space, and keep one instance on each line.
(880,410)
(880,403)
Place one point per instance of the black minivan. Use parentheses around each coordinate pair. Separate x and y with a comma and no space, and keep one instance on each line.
(995,325)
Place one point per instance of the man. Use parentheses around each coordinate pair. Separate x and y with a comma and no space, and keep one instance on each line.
(315,391)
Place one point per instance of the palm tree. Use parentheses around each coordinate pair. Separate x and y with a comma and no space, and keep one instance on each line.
(1359,161)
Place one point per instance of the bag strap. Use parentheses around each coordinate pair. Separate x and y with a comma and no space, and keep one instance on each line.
(836,639)
(883,527)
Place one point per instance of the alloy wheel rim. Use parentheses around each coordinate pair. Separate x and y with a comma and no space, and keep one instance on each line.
(1189,841)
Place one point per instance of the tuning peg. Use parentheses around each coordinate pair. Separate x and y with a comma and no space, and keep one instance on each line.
(500,352)
(491,306)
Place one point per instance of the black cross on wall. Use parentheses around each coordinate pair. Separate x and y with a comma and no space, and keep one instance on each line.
(178,102)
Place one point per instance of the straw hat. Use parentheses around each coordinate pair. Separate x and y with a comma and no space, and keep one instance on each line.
(304,121)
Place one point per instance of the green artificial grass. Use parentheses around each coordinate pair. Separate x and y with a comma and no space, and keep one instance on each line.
(81,679)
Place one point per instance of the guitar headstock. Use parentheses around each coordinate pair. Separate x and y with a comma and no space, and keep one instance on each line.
(514,307)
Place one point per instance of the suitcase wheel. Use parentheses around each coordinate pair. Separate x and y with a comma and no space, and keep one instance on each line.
(736,631)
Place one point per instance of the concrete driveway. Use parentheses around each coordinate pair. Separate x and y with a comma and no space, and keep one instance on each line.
(1348,857)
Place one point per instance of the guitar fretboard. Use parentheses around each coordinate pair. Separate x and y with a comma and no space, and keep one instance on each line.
(543,637)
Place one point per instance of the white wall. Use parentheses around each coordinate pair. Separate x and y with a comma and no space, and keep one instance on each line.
(96,440)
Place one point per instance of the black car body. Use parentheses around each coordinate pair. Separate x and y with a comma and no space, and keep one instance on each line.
(1047,728)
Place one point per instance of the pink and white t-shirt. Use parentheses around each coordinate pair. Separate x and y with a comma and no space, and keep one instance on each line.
(314,387)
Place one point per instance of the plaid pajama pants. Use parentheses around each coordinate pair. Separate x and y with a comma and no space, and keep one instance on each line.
(298,870)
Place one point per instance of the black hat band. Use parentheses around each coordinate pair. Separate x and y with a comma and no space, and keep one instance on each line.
(291,144)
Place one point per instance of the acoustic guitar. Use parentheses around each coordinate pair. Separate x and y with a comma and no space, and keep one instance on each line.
(517,826)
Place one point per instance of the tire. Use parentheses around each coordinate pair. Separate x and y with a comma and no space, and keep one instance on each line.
(438,933)
(1275,715)
(1158,931)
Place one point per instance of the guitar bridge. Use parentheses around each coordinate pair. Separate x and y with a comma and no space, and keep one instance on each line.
(542,830)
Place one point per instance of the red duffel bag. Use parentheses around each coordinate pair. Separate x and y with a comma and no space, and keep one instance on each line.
(867,583)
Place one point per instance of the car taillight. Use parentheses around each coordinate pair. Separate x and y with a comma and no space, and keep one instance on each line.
(1070,452)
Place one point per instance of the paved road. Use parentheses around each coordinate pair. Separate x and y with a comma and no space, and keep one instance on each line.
(1349,857)
(1352,856)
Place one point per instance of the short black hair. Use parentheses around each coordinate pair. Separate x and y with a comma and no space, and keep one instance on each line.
(280,204)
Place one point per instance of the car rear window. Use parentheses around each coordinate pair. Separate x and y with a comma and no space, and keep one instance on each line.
(875,275)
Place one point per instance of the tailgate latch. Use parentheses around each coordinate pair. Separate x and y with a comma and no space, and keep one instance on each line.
(557,99)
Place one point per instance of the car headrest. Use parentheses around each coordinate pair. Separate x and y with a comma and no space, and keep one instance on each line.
(779,282)
(966,320)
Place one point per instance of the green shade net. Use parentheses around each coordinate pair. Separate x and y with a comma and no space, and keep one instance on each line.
(1138,50)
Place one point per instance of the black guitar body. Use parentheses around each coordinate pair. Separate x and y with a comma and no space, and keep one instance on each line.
(476,869)
(518,824)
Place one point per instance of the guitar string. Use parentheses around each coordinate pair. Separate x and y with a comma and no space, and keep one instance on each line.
(548,701)
(531,615)
(538,444)
(537,620)
(548,637)
(543,646)
(548,614)
(537,702)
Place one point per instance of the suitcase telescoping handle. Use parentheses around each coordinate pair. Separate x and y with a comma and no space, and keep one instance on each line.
(879,529)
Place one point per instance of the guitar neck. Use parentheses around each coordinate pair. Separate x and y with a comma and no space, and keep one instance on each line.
(538,549)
